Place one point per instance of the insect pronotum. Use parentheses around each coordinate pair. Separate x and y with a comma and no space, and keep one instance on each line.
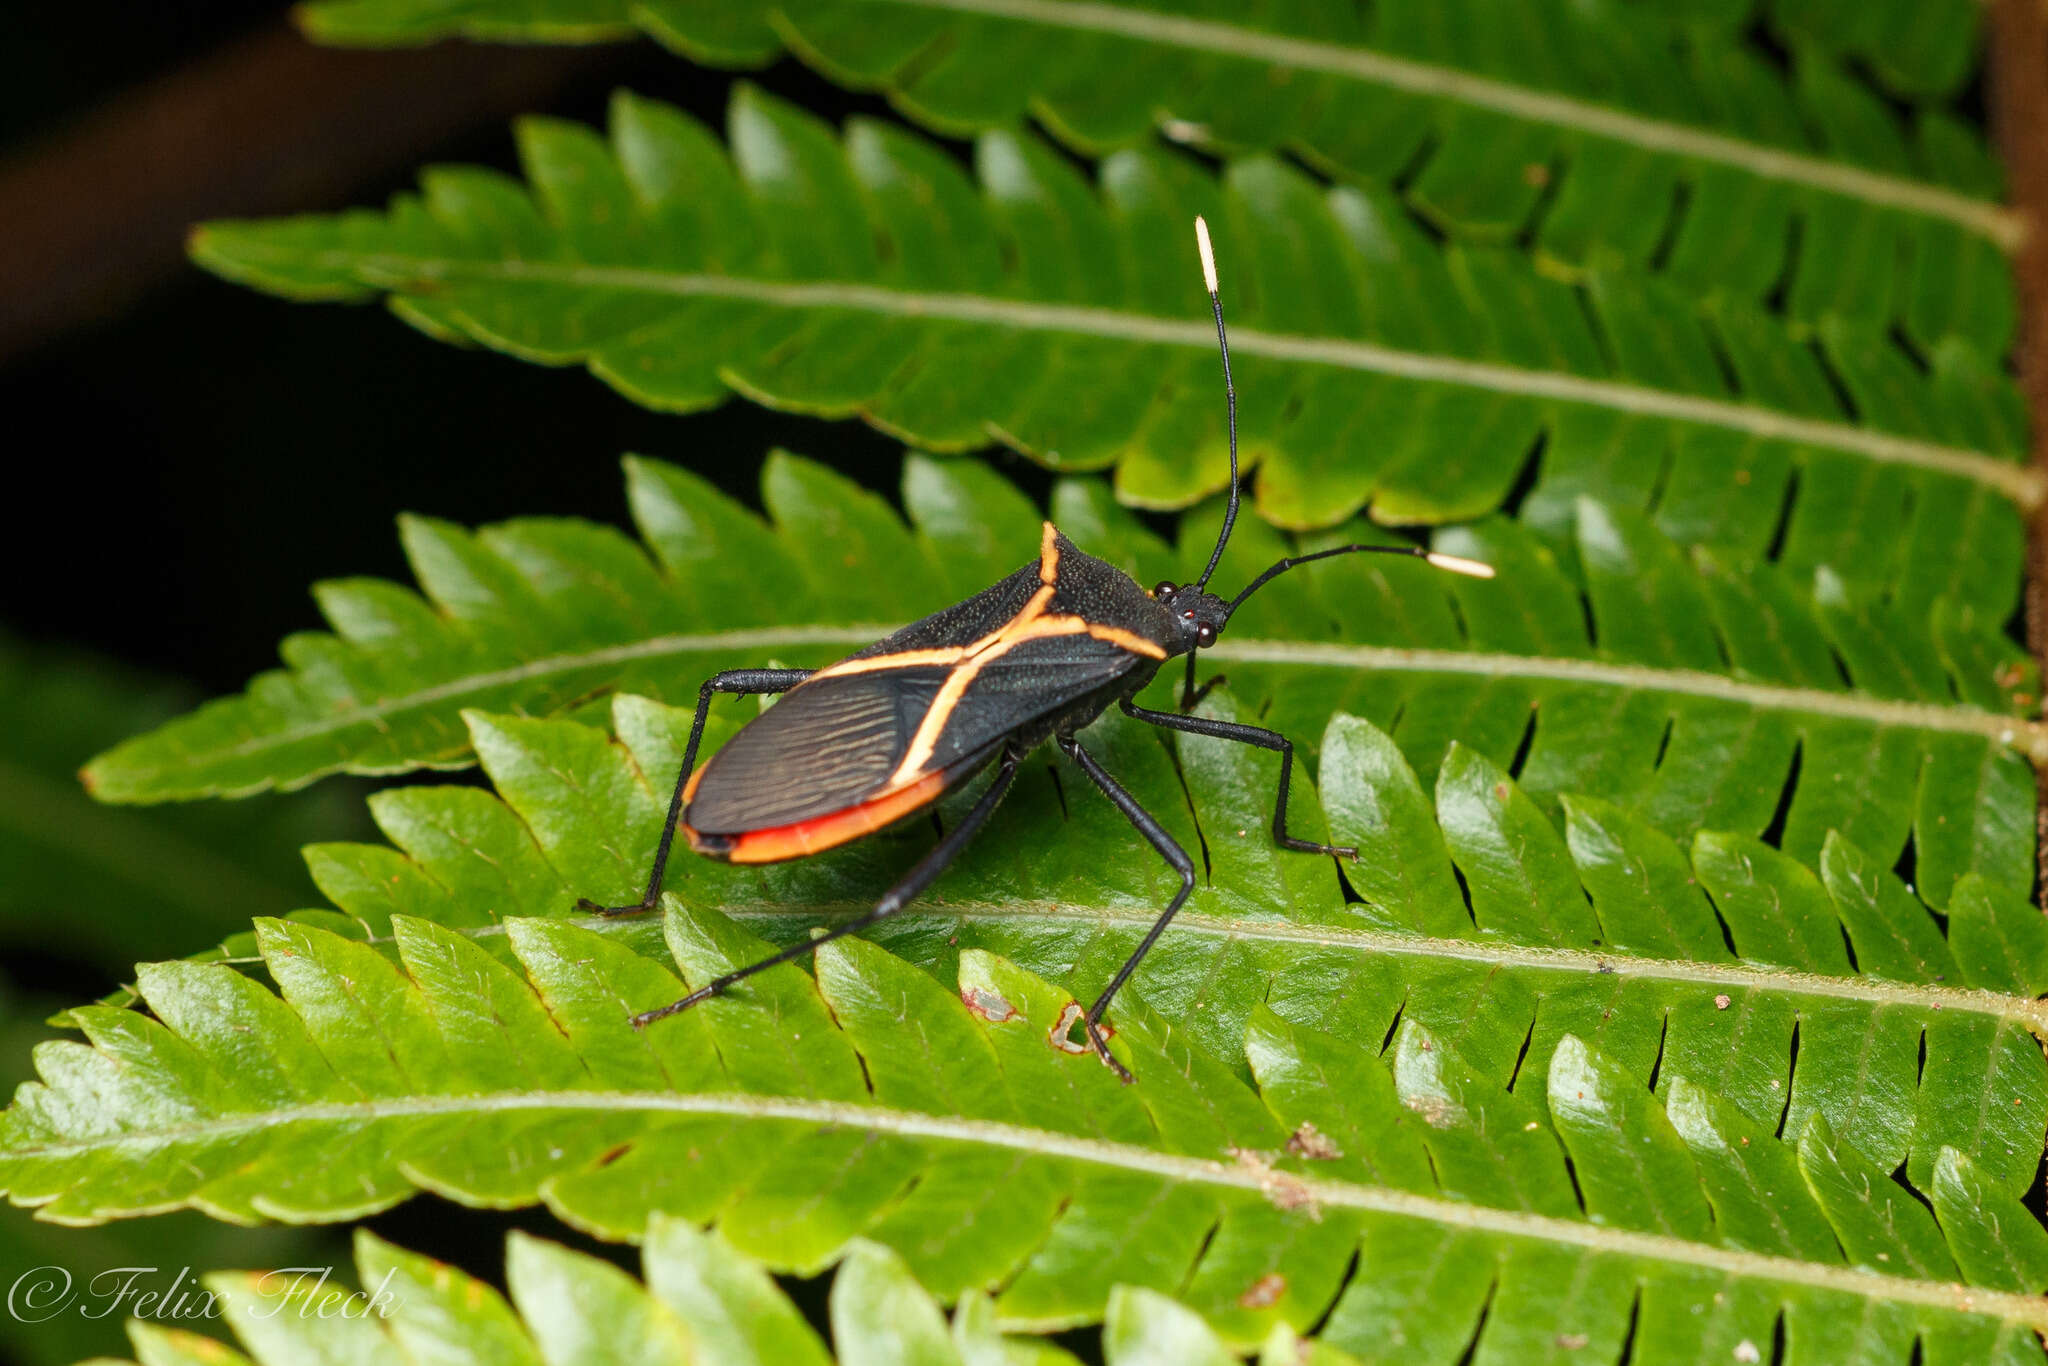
(886,731)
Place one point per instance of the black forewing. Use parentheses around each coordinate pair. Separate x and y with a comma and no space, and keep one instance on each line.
(832,743)
(836,742)
(1025,684)
(827,745)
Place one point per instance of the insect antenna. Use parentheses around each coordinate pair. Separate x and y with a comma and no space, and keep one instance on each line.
(1457,564)
(1229,393)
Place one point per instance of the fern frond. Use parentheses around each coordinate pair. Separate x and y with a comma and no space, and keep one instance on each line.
(1649,969)
(1601,134)
(963,1130)
(1697,692)
(1715,955)
(702,1303)
(1915,47)
(866,275)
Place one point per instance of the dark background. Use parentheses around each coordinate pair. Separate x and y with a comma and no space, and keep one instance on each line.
(187,456)
(186,465)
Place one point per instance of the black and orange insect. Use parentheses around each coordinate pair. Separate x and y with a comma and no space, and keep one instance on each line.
(885,732)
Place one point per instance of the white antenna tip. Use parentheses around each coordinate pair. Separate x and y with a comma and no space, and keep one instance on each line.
(1208,253)
(1457,564)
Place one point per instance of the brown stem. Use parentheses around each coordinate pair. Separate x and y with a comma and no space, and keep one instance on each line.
(267,124)
(2018,62)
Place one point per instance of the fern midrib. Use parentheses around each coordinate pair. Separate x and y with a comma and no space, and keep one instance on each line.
(1994,221)
(2021,483)
(2024,1011)
(1320,1191)
(2028,737)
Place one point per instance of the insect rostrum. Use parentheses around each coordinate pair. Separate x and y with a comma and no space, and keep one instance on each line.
(888,730)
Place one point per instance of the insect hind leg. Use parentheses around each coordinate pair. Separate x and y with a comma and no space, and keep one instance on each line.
(1169,849)
(892,901)
(741,681)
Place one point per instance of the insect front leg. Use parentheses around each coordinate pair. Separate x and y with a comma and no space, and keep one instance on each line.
(1247,735)
(743,681)
(1169,849)
(893,900)
(1190,695)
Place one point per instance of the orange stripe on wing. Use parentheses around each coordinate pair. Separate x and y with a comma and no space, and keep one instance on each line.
(1127,640)
(1026,625)
(902,659)
(1030,624)
(820,832)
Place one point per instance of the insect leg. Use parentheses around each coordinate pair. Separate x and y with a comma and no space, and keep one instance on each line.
(743,681)
(1169,849)
(1247,735)
(893,900)
(1190,695)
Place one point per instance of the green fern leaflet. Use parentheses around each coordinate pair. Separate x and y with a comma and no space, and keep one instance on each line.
(1609,136)
(702,1303)
(965,1131)
(455,1031)
(1704,695)
(866,275)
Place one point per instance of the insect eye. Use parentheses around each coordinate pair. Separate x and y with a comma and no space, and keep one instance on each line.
(1163,589)
(1205,635)
(1188,615)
